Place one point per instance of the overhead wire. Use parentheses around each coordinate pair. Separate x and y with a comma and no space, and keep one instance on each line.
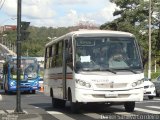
(2,3)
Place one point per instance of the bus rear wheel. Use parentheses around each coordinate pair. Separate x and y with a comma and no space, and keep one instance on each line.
(129,106)
(57,103)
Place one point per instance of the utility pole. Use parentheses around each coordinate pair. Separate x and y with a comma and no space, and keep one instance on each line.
(18,42)
(149,55)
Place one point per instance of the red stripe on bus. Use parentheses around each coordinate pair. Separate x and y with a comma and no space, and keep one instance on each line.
(59,76)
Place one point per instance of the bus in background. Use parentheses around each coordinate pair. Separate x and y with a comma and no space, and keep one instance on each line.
(1,73)
(29,79)
(74,70)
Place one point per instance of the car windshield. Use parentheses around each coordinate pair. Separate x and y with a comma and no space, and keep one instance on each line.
(29,69)
(107,53)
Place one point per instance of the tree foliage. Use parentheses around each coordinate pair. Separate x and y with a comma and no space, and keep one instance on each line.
(35,44)
(132,16)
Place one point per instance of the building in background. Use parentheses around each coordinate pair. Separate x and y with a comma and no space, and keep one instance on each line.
(7,28)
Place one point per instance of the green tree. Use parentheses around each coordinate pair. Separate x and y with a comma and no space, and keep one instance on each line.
(133,17)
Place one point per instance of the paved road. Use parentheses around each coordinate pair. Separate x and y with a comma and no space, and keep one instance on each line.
(38,107)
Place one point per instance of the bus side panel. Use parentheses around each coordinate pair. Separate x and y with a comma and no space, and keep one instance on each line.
(53,81)
(70,84)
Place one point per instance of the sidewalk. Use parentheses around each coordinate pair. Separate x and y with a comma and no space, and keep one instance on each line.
(0,97)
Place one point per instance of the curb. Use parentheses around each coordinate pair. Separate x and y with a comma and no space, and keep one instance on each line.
(0,97)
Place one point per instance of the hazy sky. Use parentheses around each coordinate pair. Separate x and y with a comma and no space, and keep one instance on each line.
(56,13)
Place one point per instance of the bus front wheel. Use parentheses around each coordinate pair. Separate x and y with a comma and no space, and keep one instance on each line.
(75,106)
(33,91)
(129,106)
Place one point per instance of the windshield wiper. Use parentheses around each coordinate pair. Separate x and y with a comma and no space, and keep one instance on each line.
(110,70)
(129,69)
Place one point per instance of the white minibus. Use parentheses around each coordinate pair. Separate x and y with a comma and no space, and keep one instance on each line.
(94,66)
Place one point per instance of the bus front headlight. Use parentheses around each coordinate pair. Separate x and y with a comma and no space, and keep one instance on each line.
(83,83)
(34,75)
(12,83)
(152,86)
(35,83)
(134,84)
(139,82)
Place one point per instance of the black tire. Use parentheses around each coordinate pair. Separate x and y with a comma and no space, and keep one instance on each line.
(62,103)
(57,103)
(33,91)
(150,97)
(75,106)
(157,95)
(129,106)
(54,103)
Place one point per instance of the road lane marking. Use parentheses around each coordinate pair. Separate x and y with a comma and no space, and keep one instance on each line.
(147,102)
(124,113)
(59,115)
(54,112)
(156,99)
(147,111)
(93,115)
(153,107)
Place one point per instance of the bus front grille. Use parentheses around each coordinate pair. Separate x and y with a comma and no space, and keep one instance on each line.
(111,85)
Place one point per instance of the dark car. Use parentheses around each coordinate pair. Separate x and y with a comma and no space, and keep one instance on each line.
(157,85)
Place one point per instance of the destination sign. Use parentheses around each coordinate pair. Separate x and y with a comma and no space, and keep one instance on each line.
(85,42)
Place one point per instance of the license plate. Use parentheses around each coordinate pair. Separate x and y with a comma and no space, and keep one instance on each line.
(111,95)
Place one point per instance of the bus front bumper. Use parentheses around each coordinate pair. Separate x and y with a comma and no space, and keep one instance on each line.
(82,95)
(24,88)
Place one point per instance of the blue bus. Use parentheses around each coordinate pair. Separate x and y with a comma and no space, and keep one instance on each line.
(29,76)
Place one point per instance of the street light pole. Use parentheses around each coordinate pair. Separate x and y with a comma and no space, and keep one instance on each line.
(149,55)
(18,98)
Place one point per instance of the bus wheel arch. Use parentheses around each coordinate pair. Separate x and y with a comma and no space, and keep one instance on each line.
(74,106)
(69,94)
(51,92)
(56,103)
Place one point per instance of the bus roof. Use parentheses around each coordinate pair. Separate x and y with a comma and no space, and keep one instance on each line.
(92,33)
(22,58)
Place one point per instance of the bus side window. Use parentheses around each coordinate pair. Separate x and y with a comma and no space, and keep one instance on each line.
(5,68)
(69,49)
(13,70)
(69,52)
(50,56)
(53,58)
(130,51)
(59,53)
(47,58)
